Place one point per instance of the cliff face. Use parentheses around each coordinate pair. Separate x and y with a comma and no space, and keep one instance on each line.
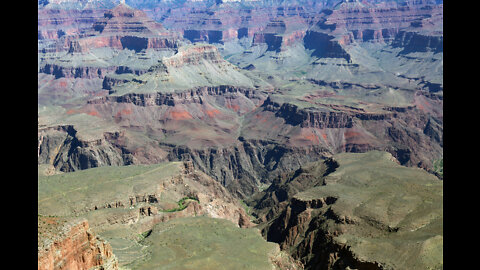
(196,95)
(56,23)
(343,221)
(121,28)
(377,23)
(242,167)
(194,55)
(84,72)
(323,45)
(417,42)
(72,245)
(396,129)
(141,200)
(61,147)
(124,27)
(306,118)
(274,137)
(281,32)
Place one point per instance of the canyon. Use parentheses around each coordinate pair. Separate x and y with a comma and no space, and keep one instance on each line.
(249,116)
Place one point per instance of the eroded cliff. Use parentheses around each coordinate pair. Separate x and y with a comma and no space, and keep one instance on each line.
(71,244)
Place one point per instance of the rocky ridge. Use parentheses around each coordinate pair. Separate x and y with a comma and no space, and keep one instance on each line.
(337,223)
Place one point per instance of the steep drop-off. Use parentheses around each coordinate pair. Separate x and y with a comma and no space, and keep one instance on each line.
(369,213)
(71,244)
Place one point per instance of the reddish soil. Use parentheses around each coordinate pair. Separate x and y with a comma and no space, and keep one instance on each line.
(72,111)
(123,112)
(313,138)
(62,84)
(351,134)
(180,115)
(93,113)
(212,113)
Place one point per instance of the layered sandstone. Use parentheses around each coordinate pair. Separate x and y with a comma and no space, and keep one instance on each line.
(376,22)
(281,32)
(192,66)
(124,27)
(56,23)
(72,245)
(92,53)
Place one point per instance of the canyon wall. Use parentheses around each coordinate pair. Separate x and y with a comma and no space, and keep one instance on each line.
(72,246)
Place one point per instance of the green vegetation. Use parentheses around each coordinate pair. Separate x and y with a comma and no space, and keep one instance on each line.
(204,243)
(370,187)
(62,194)
(182,204)
(144,235)
(438,166)
(247,209)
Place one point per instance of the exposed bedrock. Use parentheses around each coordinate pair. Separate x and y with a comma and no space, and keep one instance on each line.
(318,250)
(306,118)
(209,36)
(330,224)
(241,168)
(384,35)
(74,246)
(117,41)
(273,41)
(280,33)
(134,43)
(121,28)
(56,23)
(143,201)
(416,42)
(131,42)
(172,99)
(109,82)
(271,202)
(413,135)
(91,72)
(84,72)
(324,46)
(294,115)
(61,147)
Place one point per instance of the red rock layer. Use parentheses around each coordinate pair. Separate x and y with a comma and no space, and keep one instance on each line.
(76,247)
(55,23)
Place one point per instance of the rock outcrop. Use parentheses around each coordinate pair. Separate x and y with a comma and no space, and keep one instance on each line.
(200,133)
(307,118)
(417,42)
(91,53)
(324,46)
(124,27)
(54,24)
(146,201)
(295,134)
(356,217)
(72,245)
(281,32)
(61,147)
(195,95)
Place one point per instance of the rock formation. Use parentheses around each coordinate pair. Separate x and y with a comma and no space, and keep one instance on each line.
(71,244)
(337,222)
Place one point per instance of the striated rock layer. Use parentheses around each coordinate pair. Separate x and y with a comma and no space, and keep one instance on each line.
(72,245)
